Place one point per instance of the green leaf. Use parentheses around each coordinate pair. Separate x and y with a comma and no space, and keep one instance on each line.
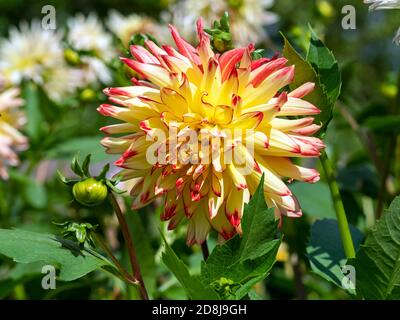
(315,199)
(377,262)
(33,112)
(225,25)
(383,124)
(304,72)
(192,285)
(65,180)
(82,232)
(76,167)
(85,165)
(102,174)
(247,260)
(144,251)
(20,273)
(259,226)
(29,247)
(254,295)
(326,66)
(221,38)
(34,193)
(140,38)
(325,251)
(257,54)
(70,148)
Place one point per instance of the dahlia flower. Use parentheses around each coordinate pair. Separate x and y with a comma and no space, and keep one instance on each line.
(124,27)
(179,126)
(11,140)
(94,70)
(87,35)
(249,17)
(63,81)
(31,53)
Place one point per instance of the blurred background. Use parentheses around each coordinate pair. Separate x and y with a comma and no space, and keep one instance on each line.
(60,75)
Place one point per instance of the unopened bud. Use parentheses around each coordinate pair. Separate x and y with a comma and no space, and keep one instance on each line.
(90,192)
(325,9)
(221,45)
(71,57)
(88,94)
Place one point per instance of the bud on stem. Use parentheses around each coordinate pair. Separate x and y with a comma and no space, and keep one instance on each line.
(90,192)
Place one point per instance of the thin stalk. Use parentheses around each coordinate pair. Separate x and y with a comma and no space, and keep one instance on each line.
(204,250)
(388,156)
(344,229)
(365,136)
(384,176)
(301,293)
(397,166)
(128,277)
(131,248)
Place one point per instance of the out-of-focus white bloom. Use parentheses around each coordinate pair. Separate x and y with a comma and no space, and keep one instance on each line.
(124,27)
(62,82)
(93,70)
(11,140)
(383,4)
(184,13)
(29,53)
(34,54)
(248,17)
(88,34)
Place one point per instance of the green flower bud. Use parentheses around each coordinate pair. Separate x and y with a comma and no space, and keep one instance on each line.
(88,94)
(221,45)
(71,57)
(225,287)
(90,192)
(325,9)
(389,90)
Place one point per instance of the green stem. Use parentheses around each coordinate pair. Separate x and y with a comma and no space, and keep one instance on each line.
(382,194)
(131,248)
(129,278)
(397,167)
(339,208)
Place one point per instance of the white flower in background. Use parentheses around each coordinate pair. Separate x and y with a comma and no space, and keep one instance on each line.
(34,54)
(62,82)
(124,27)
(385,5)
(11,119)
(93,70)
(88,34)
(184,13)
(29,53)
(248,17)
